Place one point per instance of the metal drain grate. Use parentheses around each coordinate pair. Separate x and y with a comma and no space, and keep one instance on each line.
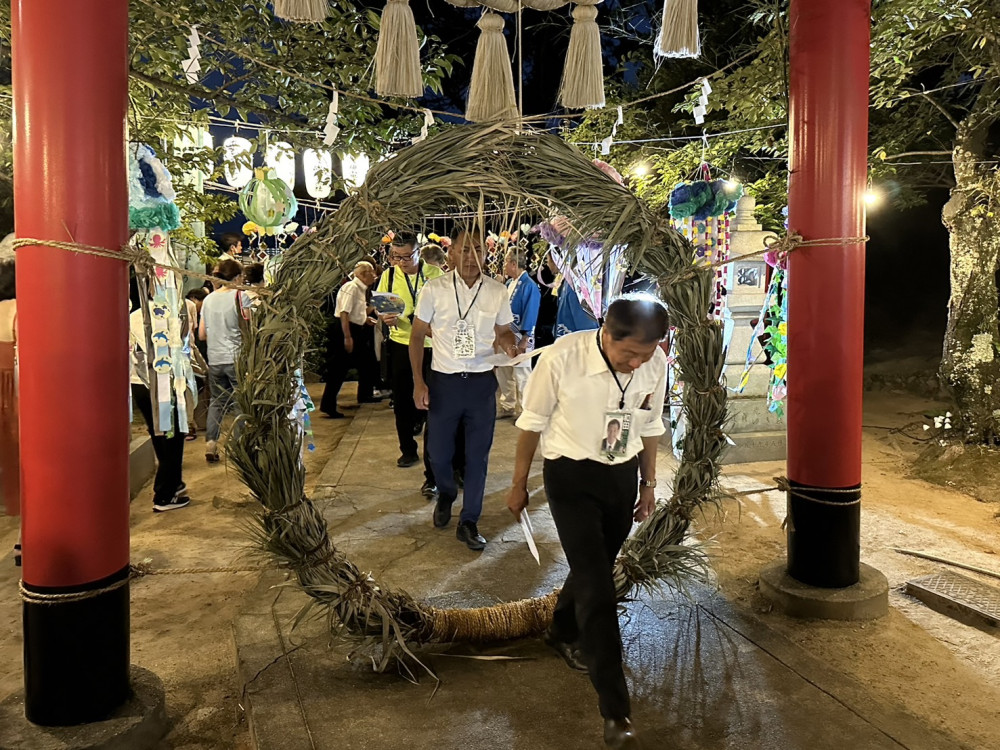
(958,596)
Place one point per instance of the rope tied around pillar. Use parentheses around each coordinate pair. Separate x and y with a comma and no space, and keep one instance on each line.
(785,485)
(782,247)
(136,257)
(136,570)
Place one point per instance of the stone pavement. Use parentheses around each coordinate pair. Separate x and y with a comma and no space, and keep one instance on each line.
(704,676)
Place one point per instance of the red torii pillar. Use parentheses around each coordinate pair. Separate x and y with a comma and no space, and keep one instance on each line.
(70,76)
(829,72)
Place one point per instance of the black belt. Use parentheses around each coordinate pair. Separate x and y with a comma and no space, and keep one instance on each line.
(463,375)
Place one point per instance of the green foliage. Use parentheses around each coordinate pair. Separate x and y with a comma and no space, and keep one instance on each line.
(254,66)
(917,45)
(751,97)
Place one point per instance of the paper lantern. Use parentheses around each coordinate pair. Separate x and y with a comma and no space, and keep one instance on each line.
(354,169)
(236,149)
(317,167)
(268,201)
(281,158)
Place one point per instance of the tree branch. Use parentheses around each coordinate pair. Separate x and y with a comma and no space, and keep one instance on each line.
(917,153)
(201,92)
(939,108)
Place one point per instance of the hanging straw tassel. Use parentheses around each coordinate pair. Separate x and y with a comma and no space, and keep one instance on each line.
(679,35)
(302,11)
(582,84)
(491,94)
(397,56)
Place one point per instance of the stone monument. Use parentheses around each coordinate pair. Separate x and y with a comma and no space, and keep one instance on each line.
(758,434)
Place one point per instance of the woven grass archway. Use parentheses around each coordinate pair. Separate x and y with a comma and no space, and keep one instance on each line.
(467,168)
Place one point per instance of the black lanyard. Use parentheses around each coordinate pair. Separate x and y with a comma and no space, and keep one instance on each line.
(462,316)
(621,401)
(415,287)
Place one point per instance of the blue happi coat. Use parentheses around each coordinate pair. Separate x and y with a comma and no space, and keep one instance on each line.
(524,304)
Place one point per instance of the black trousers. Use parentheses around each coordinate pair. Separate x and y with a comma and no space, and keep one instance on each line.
(408,416)
(169,450)
(339,361)
(592,505)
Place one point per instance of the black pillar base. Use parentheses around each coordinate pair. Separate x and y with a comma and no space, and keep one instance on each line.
(824,538)
(76,654)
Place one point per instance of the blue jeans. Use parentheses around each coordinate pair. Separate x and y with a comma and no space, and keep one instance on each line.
(221,383)
(470,401)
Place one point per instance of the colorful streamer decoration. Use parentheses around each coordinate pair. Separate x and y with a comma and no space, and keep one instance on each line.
(701,212)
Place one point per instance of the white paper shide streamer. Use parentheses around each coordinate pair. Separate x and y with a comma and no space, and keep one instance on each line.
(428,122)
(701,108)
(331,130)
(606,143)
(679,35)
(192,66)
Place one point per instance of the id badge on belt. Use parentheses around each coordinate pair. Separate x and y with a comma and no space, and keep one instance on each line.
(464,344)
(617,425)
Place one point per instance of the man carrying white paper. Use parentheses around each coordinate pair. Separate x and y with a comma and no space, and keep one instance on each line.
(595,402)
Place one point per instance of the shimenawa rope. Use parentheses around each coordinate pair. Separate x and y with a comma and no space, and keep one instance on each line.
(137,257)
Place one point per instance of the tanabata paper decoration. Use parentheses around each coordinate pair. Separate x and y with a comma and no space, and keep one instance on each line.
(267,200)
(168,345)
(700,210)
(150,191)
(771,333)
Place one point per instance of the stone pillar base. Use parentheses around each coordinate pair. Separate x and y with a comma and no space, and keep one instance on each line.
(868,599)
(137,725)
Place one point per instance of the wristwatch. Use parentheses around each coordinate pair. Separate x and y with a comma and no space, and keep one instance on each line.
(647,482)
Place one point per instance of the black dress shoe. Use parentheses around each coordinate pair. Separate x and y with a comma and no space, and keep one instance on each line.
(334,415)
(569,652)
(468,533)
(428,490)
(442,512)
(406,461)
(620,735)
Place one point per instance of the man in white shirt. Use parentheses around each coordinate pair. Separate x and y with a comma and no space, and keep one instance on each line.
(595,400)
(357,333)
(471,317)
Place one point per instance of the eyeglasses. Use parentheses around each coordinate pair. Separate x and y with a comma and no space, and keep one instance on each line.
(397,256)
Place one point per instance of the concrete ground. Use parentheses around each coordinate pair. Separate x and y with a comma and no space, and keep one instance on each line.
(703,673)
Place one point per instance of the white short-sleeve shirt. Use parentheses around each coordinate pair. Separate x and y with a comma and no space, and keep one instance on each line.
(485,305)
(571,390)
(351,299)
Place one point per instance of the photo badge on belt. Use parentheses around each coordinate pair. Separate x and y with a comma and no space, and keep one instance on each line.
(464,345)
(616,429)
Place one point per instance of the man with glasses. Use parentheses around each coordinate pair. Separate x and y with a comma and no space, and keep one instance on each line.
(470,316)
(406,276)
